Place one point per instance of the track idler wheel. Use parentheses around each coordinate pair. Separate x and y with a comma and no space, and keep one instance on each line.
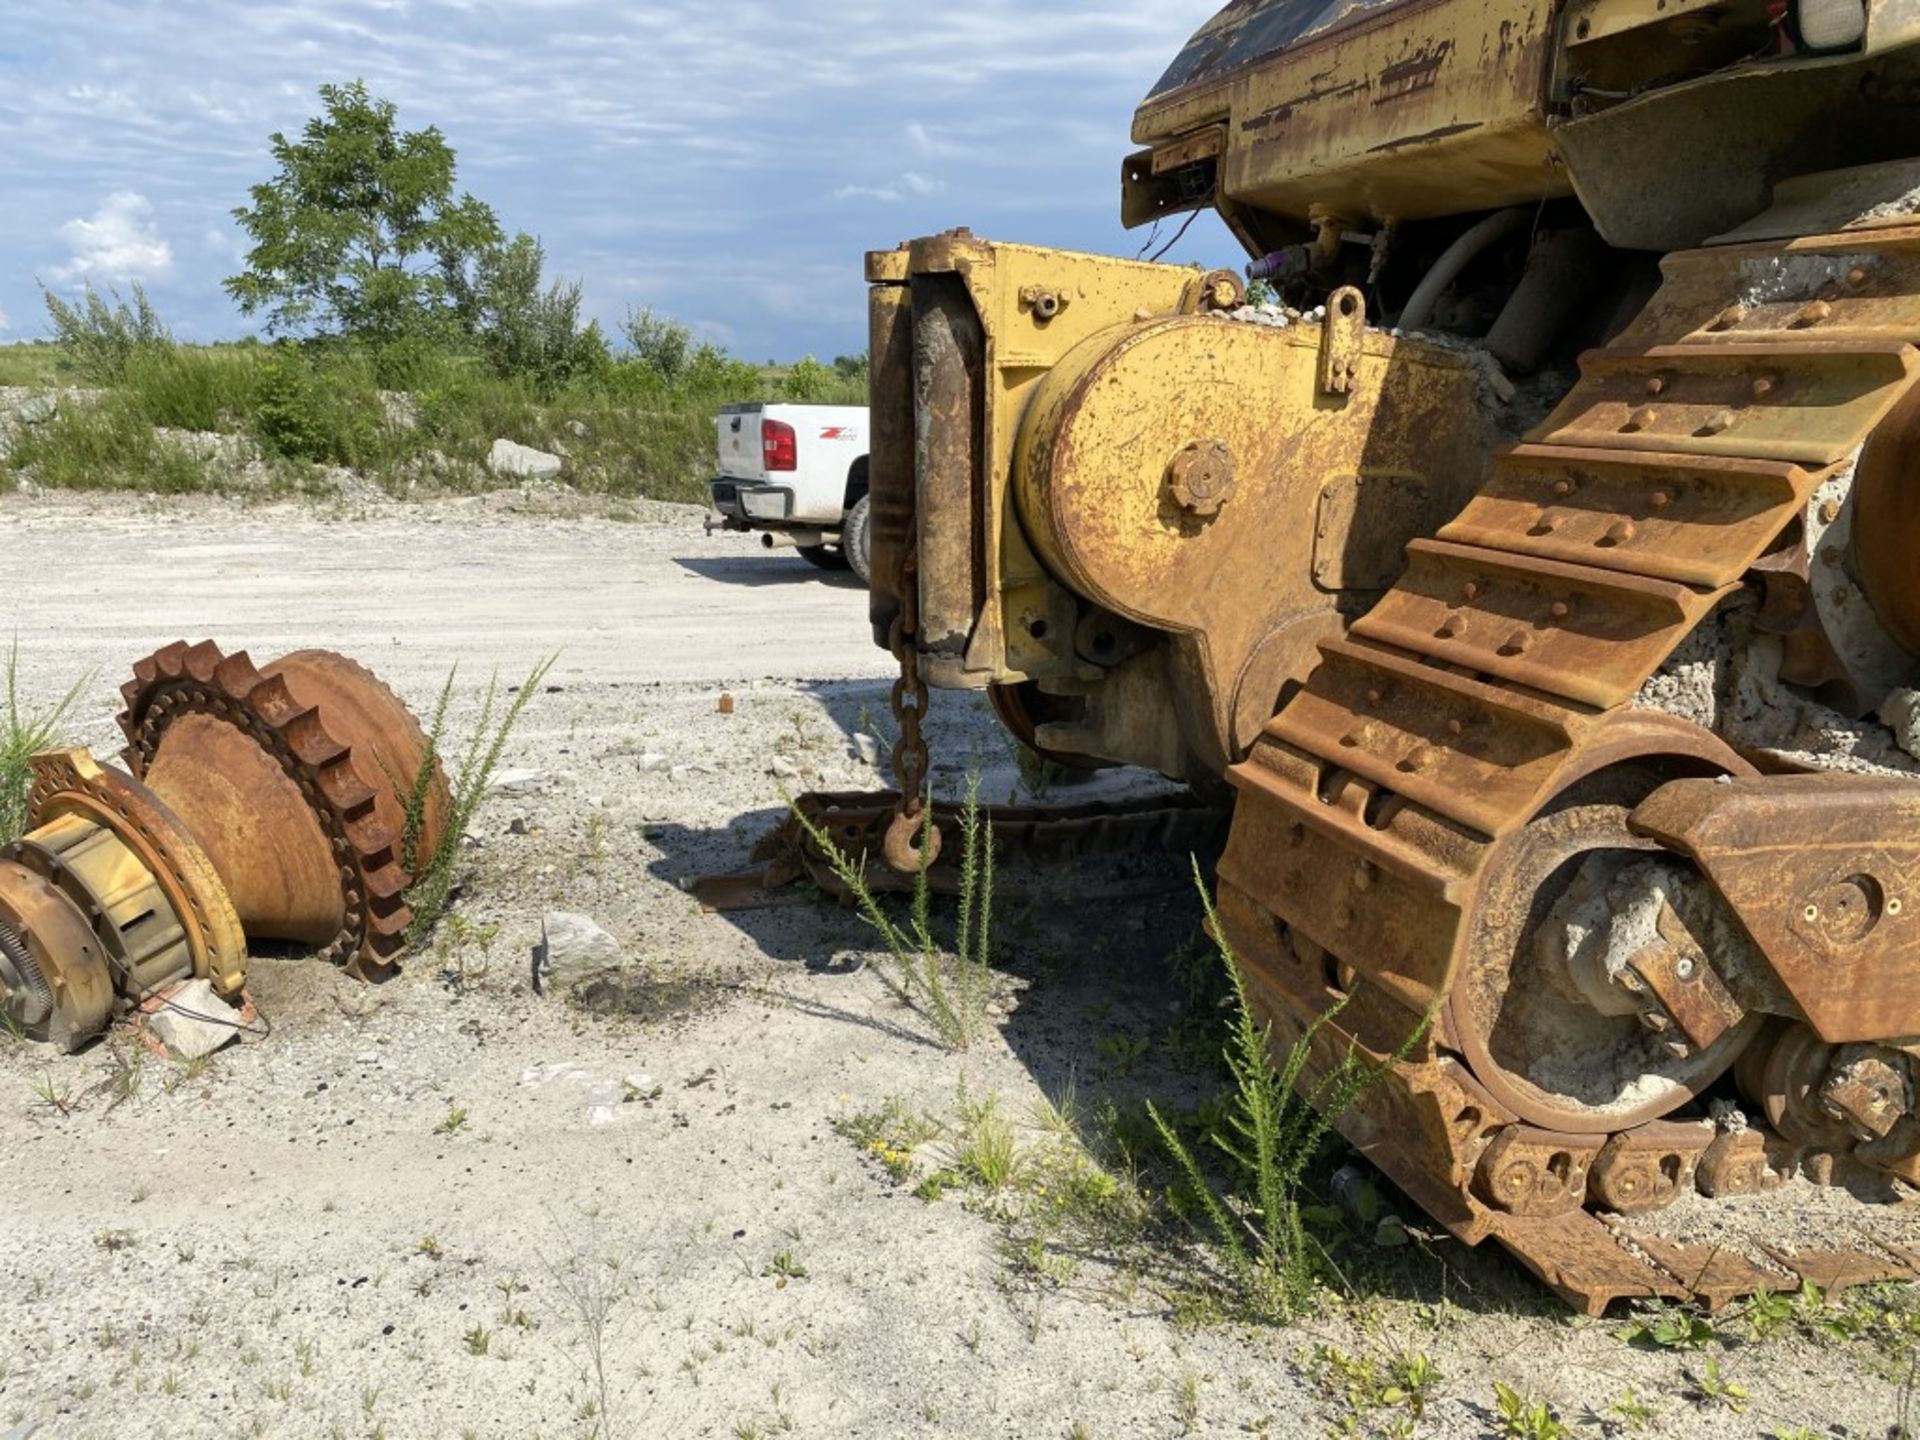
(294,777)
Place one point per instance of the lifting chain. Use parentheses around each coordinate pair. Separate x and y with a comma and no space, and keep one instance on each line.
(911,764)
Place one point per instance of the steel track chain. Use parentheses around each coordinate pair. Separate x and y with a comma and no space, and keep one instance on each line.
(1500,669)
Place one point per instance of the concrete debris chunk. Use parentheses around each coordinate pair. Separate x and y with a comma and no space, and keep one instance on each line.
(572,948)
(523,462)
(37,409)
(193,1021)
(518,782)
(1901,713)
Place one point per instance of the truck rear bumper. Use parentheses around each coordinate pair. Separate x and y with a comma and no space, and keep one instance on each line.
(752,501)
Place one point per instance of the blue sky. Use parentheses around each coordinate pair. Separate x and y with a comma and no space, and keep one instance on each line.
(725,161)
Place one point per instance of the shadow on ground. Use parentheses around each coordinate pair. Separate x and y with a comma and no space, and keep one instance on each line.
(769,567)
(1121,1001)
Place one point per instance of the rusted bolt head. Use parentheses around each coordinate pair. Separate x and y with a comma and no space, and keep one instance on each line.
(1829,511)
(1729,317)
(1717,423)
(1561,610)
(1200,477)
(1660,499)
(1563,488)
(1763,386)
(1640,419)
(1518,643)
(1857,276)
(1619,533)
(1656,384)
(1812,313)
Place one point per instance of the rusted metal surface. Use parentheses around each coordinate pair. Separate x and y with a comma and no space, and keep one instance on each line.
(106,900)
(1886,524)
(1405,108)
(255,814)
(1412,810)
(1342,337)
(293,777)
(1098,481)
(1824,872)
(1438,750)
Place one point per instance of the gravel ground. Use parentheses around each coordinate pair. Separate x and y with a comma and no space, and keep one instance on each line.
(300,1240)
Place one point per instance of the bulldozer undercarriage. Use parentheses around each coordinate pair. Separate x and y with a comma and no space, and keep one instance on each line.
(1558,918)
(1463,829)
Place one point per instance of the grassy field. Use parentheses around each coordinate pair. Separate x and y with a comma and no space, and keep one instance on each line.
(423,421)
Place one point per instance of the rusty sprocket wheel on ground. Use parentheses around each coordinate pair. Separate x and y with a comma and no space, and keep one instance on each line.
(293,777)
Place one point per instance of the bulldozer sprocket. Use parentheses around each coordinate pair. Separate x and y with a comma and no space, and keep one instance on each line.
(339,735)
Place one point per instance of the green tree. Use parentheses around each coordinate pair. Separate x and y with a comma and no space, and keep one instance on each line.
(807,380)
(660,343)
(526,327)
(360,232)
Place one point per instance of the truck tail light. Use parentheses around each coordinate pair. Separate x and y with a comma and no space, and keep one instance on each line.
(778,444)
(1823,26)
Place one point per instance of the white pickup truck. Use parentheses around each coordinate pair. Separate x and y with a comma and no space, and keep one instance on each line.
(798,475)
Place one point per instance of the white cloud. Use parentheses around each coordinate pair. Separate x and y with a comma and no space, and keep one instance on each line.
(911,183)
(116,244)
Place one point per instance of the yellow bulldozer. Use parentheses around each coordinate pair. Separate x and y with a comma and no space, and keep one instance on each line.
(1534,558)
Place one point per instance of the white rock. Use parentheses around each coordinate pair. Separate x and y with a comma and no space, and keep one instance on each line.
(572,948)
(578,429)
(1901,712)
(523,462)
(518,782)
(867,748)
(784,768)
(653,763)
(37,409)
(195,1022)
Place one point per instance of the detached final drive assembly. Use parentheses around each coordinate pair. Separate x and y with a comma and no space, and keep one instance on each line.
(270,804)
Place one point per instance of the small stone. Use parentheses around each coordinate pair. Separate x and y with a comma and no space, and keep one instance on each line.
(1901,713)
(37,409)
(519,826)
(653,763)
(784,768)
(868,749)
(518,782)
(194,1022)
(523,462)
(572,948)
(578,429)
(726,705)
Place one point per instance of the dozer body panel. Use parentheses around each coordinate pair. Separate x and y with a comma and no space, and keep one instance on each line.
(1404,110)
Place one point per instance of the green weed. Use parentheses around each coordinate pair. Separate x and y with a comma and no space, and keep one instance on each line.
(1520,1417)
(435,873)
(1272,1133)
(26,735)
(948,988)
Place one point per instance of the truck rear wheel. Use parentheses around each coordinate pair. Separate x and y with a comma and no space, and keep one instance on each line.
(856,539)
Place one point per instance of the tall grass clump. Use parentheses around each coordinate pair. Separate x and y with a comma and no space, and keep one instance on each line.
(101,334)
(949,988)
(24,737)
(436,871)
(1273,1132)
(106,445)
